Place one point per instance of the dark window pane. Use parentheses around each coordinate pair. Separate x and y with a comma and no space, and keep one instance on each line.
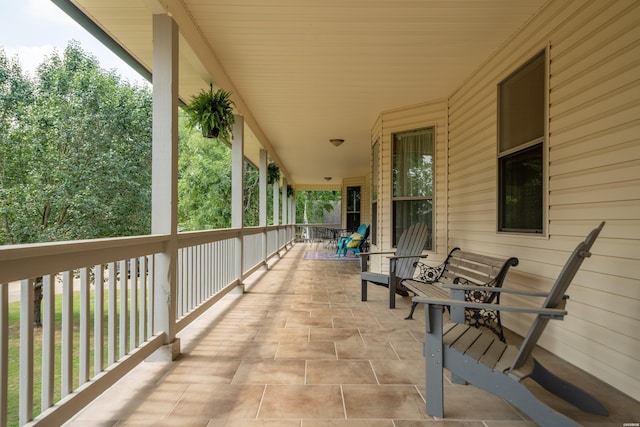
(353,208)
(408,212)
(521,191)
(522,105)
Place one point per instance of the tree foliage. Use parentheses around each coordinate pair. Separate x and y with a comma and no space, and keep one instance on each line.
(204,181)
(75,157)
(312,207)
(75,146)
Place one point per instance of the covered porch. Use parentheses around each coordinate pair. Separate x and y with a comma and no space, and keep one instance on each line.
(299,348)
(294,343)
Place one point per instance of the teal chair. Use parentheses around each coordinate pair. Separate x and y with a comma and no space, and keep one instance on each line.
(354,243)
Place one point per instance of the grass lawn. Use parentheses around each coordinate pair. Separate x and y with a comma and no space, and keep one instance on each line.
(14,353)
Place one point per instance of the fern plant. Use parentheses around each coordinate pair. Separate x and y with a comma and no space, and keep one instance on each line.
(212,112)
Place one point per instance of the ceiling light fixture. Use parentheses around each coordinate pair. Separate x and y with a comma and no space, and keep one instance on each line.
(327,178)
(336,141)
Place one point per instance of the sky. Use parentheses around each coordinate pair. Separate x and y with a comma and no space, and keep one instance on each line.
(33,29)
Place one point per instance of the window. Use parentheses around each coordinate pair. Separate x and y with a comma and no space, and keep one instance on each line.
(374,194)
(353,208)
(413,171)
(521,134)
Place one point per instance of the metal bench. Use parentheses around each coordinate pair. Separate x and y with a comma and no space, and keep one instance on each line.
(465,268)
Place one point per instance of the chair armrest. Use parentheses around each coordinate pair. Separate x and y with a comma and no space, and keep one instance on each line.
(553,313)
(491,289)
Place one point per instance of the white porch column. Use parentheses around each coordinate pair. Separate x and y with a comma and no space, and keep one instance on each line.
(262,192)
(284,201)
(276,203)
(164,205)
(262,222)
(292,209)
(237,189)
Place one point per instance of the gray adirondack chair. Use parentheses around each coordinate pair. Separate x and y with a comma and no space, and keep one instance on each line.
(480,359)
(402,261)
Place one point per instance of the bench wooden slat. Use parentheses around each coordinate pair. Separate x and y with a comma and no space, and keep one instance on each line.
(426,289)
(482,259)
(464,267)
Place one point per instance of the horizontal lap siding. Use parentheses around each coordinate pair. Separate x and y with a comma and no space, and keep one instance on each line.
(594,175)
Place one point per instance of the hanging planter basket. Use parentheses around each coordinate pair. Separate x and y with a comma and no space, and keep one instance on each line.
(273,173)
(212,112)
(209,132)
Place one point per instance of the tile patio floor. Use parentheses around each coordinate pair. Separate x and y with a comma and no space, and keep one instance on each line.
(299,348)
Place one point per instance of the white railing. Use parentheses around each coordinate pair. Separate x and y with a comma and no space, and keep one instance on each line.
(98,305)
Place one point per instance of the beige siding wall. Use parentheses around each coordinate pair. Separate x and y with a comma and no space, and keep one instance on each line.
(593,164)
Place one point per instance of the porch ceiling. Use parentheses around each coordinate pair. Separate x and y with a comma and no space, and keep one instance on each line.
(305,71)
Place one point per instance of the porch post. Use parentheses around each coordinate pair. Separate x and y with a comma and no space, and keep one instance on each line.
(237,188)
(284,201)
(276,203)
(164,188)
(262,191)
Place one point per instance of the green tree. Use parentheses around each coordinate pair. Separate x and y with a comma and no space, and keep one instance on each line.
(15,97)
(251,195)
(79,155)
(204,181)
(311,206)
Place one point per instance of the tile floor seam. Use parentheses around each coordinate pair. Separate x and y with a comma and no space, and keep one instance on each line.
(306,372)
(175,405)
(264,392)
(344,403)
(374,372)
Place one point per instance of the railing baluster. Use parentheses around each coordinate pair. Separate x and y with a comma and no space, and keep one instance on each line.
(26,351)
(85,313)
(48,340)
(152,295)
(67,333)
(122,330)
(4,347)
(133,306)
(190,281)
(197,275)
(209,270)
(112,315)
(143,299)
(98,321)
